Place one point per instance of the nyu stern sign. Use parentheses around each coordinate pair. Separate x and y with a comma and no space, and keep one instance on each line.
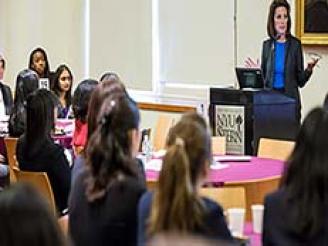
(230,123)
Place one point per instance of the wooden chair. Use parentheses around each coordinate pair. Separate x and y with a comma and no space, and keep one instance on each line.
(163,125)
(275,149)
(227,197)
(219,145)
(40,181)
(11,155)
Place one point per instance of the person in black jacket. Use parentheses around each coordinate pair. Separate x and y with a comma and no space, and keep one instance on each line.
(27,81)
(297,213)
(282,57)
(36,150)
(7,97)
(104,198)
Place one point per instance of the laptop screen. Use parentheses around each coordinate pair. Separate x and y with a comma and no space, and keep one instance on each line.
(249,78)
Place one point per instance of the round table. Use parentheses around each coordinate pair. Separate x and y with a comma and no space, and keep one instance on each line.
(259,176)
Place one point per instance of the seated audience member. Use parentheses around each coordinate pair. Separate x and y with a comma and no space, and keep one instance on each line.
(6,97)
(27,81)
(6,105)
(296,214)
(80,105)
(39,63)
(102,91)
(62,86)
(36,150)
(175,206)
(104,198)
(26,219)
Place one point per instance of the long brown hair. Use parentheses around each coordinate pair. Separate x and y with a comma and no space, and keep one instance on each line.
(176,205)
(109,155)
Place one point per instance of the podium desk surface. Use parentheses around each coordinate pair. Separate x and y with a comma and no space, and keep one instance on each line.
(262,96)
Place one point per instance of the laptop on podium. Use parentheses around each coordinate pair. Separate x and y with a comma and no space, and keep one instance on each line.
(249,78)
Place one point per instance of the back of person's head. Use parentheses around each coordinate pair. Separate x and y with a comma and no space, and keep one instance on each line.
(184,165)
(27,81)
(194,116)
(81,98)
(109,76)
(40,117)
(306,176)
(113,144)
(272,33)
(32,65)
(26,219)
(102,91)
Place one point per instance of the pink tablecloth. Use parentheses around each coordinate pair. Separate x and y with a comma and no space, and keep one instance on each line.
(257,168)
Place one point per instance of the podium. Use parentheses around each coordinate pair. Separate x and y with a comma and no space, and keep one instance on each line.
(244,116)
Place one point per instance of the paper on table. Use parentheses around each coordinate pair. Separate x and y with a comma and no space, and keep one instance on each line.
(154,165)
(217,165)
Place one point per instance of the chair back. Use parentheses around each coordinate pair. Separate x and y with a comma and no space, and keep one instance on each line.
(163,125)
(219,145)
(275,149)
(227,197)
(40,181)
(11,144)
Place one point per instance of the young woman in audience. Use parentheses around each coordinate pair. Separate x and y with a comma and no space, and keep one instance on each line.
(104,199)
(26,219)
(36,150)
(80,105)
(27,81)
(62,86)
(39,63)
(104,90)
(176,206)
(297,213)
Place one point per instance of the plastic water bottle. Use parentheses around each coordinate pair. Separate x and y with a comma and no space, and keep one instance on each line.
(146,148)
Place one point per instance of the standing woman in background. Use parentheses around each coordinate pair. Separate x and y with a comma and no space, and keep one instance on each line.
(62,86)
(282,56)
(39,63)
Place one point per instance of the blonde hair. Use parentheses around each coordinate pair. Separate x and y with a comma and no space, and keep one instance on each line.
(176,205)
